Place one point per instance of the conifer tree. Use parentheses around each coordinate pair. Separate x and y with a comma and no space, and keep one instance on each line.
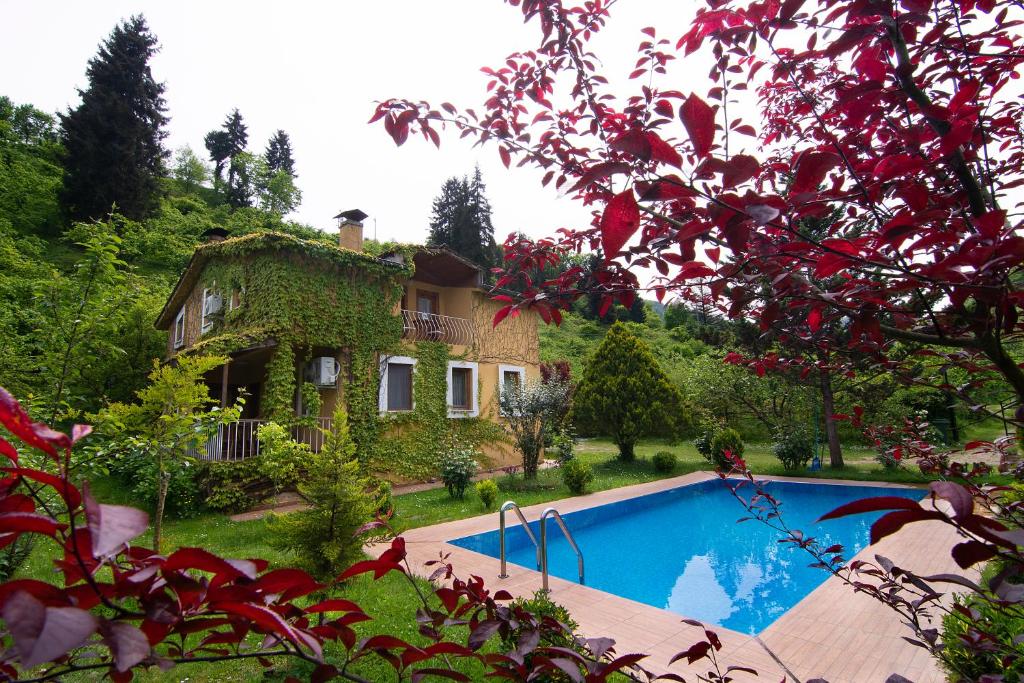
(114,138)
(625,394)
(461,220)
(279,154)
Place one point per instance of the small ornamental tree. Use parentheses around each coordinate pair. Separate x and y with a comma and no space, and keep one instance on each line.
(624,393)
(173,414)
(531,413)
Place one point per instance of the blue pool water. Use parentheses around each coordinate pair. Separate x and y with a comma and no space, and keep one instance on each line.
(683,551)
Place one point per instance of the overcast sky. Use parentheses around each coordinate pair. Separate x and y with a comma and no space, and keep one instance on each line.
(315,70)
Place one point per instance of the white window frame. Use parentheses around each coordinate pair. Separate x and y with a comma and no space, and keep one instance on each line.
(382,396)
(179,329)
(474,378)
(502,369)
(210,294)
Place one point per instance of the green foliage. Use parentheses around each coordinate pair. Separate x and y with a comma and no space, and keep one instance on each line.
(231,487)
(189,170)
(703,442)
(968,664)
(794,446)
(664,461)
(281,458)
(576,475)
(624,393)
(114,138)
(458,465)
(532,412)
(13,556)
(137,471)
(487,491)
(323,537)
(278,395)
(564,443)
(385,497)
(726,439)
(31,174)
(541,606)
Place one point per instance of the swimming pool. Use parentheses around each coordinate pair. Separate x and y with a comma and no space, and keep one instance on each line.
(683,551)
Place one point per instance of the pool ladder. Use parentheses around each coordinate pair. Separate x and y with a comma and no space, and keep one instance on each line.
(541,547)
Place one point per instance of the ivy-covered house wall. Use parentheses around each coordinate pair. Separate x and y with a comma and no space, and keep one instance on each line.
(294,300)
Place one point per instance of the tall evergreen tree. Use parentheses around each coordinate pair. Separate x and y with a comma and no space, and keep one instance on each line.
(461,220)
(114,139)
(279,154)
(225,146)
(218,144)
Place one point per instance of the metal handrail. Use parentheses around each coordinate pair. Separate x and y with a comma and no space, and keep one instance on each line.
(511,505)
(418,326)
(552,512)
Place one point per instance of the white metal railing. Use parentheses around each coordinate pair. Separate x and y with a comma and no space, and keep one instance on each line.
(432,327)
(240,440)
(541,546)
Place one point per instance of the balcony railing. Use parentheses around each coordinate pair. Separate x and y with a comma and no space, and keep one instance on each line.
(432,327)
(239,440)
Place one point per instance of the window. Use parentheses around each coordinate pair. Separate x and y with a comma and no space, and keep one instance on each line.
(396,377)
(462,394)
(179,329)
(212,303)
(236,298)
(510,378)
(426,302)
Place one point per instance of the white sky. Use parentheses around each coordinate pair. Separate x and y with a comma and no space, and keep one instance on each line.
(315,70)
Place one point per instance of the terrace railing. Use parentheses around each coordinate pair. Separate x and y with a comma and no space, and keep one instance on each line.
(240,440)
(432,327)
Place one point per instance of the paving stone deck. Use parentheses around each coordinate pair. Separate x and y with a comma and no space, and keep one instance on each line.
(833,633)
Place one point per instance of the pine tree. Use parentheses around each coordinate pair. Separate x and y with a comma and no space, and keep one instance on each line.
(218,144)
(624,393)
(279,154)
(114,139)
(226,145)
(461,220)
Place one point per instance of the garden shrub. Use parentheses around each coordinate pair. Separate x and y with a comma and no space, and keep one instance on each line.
(794,447)
(231,487)
(281,458)
(323,536)
(576,474)
(727,439)
(542,608)
(458,465)
(385,498)
(564,444)
(664,461)
(968,663)
(488,492)
(139,473)
(703,442)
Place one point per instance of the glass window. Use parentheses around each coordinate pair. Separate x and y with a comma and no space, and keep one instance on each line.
(511,380)
(212,303)
(179,329)
(462,388)
(399,382)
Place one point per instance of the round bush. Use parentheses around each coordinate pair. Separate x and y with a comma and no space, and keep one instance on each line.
(576,475)
(725,440)
(488,492)
(664,461)
(794,447)
(458,465)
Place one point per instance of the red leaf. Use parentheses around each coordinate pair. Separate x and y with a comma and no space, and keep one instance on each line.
(620,220)
(35,434)
(112,526)
(740,168)
(662,151)
(811,169)
(699,120)
(863,505)
(42,634)
(378,568)
(129,645)
(197,558)
(69,493)
(27,522)
(7,450)
(958,497)
(502,314)
(814,319)
(335,605)
(762,213)
(506,158)
(969,553)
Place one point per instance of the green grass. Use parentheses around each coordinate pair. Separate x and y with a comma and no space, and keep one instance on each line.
(435,506)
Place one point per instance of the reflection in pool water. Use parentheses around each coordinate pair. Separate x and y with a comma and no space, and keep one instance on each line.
(682,549)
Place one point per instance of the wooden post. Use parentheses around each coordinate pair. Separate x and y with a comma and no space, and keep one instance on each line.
(224,386)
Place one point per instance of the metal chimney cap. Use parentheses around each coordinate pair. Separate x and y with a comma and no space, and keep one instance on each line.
(354,215)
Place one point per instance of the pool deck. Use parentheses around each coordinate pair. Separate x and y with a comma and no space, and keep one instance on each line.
(833,633)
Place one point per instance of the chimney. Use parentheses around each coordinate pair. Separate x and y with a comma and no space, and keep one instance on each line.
(214,235)
(350,229)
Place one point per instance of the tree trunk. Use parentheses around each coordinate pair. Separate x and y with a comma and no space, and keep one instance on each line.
(531,458)
(626,452)
(161,497)
(835,450)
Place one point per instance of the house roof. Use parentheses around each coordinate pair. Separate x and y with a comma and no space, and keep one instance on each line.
(262,241)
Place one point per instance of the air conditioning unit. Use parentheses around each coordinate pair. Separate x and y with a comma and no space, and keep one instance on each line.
(323,371)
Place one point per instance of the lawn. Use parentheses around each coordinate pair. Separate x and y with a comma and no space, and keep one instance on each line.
(391,601)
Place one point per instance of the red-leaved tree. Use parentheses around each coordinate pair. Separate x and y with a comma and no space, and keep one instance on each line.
(876,193)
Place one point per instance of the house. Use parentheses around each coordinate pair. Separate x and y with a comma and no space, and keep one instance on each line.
(404,339)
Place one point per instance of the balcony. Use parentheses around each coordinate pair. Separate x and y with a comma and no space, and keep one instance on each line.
(239,441)
(432,327)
